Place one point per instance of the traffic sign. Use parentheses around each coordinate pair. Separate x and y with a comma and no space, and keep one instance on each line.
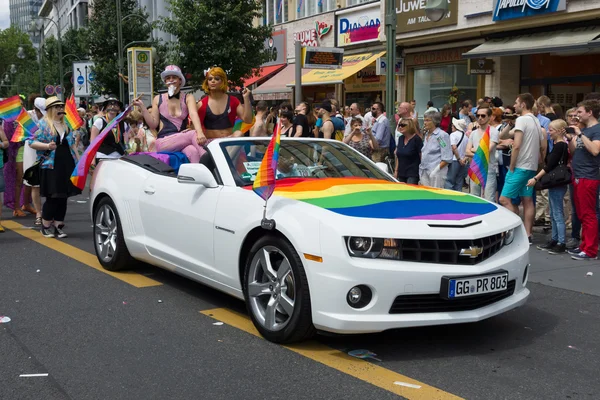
(58,89)
(82,71)
(49,89)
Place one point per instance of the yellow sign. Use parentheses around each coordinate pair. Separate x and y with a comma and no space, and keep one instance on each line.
(365,80)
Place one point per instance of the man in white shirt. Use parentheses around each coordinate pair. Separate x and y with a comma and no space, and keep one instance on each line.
(457,171)
(529,148)
(483,115)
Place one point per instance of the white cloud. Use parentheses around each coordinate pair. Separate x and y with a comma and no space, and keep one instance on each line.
(4,14)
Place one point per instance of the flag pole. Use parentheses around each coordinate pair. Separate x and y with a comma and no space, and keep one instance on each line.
(269,224)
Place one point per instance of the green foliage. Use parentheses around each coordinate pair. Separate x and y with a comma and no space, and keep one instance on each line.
(24,80)
(103,40)
(217,32)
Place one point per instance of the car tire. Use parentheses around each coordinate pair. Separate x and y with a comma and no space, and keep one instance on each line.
(109,242)
(272,296)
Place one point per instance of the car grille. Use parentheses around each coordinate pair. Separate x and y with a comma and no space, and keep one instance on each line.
(441,251)
(430,303)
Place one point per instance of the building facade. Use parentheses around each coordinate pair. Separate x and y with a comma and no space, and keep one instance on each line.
(67,14)
(22,12)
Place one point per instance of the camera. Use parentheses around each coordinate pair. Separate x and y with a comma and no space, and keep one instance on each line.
(509,116)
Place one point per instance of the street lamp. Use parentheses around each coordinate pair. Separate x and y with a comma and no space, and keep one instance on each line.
(21,53)
(60,56)
(33,29)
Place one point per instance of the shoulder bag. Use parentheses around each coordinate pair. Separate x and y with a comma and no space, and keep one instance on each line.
(559,176)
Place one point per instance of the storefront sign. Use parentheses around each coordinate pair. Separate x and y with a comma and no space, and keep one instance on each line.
(309,37)
(410,16)
(481,66)
(360,26)
(436,57)
(381,66)
(365,80)
(275,47)
(510,9)
(322,57)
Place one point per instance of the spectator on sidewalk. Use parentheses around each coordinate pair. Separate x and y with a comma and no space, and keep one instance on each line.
(457,171)
(484,115)
(437,152)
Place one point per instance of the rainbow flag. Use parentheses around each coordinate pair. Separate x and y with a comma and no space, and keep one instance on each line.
(19,134)
(10,108)
(478,169)
(25,120)
(72,117)
(80,173)
(240,125)
(264,183)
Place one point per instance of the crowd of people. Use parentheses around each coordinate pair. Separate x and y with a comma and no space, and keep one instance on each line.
(542,163)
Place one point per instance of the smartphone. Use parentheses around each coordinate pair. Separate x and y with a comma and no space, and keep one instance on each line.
(570,130)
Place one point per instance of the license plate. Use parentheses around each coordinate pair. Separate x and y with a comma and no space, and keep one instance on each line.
(453,288)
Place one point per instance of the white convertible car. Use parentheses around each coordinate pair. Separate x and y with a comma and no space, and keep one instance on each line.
(343,248)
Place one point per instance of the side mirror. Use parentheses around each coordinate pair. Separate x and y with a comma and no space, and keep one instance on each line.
(382,166)
(196,174)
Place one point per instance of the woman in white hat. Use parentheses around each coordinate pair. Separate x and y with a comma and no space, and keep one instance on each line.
(458,169)
(55,145)
(169,116)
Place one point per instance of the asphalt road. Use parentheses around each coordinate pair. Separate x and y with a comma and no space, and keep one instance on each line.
(101,336)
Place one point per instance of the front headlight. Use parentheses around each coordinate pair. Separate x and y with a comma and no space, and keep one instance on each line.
(508,237)
(366,247)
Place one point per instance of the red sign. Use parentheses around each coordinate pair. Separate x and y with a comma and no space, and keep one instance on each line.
(308,37)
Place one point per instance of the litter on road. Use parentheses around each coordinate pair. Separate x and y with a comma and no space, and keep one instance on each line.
(363,354)
(590,274)
(4,320)
(409,385)
(217,323)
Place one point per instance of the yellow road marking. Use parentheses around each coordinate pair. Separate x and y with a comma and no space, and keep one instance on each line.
(360,369)
(82,256)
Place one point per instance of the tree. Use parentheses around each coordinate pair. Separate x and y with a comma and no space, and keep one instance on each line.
(103,40)
(217,32)
(23,77)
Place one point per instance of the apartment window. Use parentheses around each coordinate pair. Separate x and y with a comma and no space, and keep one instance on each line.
(306,8)
(355,2)
(275,11)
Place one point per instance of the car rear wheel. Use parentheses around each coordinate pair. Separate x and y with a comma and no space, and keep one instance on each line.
(109,242)
(276,291)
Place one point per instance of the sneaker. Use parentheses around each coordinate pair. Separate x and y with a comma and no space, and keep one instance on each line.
(47,232)
(38,221)
(559,248)
(530,237)
(583,257)
(549,245)
(59,232)
(539,222)
(574,251)
(572,243)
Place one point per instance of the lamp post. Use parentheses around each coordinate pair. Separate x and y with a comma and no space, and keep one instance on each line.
(390,59)
(33,28)
(60,56)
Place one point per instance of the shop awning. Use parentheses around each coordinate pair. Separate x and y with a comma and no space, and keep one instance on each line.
(277,84)
(262,73)
(578,39)
(350,66)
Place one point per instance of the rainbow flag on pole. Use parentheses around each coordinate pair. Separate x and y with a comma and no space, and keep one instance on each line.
(264,183)
(240,125)
(19,134)
(478,170)
(25,119)
(72,117)
(10,108)
(80,173)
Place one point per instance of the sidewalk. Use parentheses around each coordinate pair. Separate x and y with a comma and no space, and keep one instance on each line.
(561,271)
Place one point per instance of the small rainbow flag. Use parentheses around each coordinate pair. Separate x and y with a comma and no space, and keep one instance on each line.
(72,117)
(80,173)
(25,119)
(478,170)
(264,183)
(19,134)
(10,108)
(240,125)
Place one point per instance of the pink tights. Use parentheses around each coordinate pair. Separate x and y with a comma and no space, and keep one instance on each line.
(184,142)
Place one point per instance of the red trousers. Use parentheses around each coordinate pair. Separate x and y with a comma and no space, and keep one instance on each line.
(585,196)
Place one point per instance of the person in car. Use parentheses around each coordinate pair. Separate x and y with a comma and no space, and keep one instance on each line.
(169,116)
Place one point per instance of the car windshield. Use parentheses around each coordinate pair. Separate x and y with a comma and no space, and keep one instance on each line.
(299,159)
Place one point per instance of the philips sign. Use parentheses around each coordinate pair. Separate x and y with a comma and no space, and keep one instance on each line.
(510,9)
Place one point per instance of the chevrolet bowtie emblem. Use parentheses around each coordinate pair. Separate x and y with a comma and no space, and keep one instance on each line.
(471,252)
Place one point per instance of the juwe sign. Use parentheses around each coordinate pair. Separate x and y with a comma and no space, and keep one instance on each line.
(410,16)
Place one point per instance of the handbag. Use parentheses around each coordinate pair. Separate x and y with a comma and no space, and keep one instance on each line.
(32,174)
(559,176)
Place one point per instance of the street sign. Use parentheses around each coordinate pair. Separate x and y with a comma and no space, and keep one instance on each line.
(58,90)
(49,89)
(381,66)
(82,71)
(140,73)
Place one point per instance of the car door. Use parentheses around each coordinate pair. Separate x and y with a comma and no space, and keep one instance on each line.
(178,221)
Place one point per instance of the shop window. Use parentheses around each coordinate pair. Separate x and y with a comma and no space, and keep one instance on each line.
(435,83)
(306,8)
(275,12)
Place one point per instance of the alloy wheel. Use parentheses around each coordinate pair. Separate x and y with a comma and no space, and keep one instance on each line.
(105,231)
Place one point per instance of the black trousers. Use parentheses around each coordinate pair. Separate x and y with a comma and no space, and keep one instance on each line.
(54,209)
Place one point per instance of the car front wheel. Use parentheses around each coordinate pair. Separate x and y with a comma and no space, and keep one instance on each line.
(276,291)
(109,242)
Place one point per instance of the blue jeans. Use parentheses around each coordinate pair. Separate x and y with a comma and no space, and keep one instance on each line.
(456,176)
(556,196)
(575,222)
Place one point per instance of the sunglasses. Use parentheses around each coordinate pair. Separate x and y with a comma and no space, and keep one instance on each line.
(481,115)
(403,125)
(572,115)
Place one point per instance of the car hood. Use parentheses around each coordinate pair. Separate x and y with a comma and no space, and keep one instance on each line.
(380,199)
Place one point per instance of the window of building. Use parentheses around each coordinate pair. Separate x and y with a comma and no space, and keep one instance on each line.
(275,12)
(306,8)
(355,2)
